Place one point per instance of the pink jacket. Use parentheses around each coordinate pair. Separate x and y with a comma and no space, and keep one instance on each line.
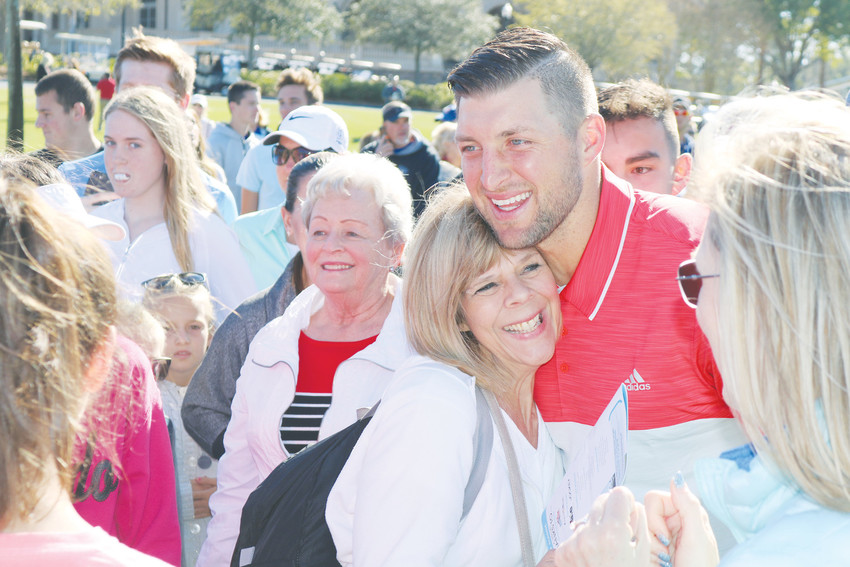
(129,491)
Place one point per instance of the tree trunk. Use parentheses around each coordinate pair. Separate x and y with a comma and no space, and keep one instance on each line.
(417,54)
(251,36)
(15,131)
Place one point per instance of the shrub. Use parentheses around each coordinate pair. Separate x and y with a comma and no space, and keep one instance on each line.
(265,79)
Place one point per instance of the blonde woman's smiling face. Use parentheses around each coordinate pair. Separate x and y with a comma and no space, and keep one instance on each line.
(513,310)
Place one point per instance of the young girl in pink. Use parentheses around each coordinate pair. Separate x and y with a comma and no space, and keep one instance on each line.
(182,302)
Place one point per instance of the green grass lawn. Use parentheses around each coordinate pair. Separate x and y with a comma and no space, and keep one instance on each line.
(360,119)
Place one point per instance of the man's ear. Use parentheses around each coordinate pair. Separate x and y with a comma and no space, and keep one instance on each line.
(101,362)
(78,111)
(592,137)
(682,172)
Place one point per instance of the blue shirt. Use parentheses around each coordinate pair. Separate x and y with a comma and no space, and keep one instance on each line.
(263,241)
(258,174)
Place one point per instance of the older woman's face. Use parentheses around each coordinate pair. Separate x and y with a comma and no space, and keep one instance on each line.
(514,311)
(346,250)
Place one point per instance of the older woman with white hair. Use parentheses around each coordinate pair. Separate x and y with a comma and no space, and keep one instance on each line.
(334,349)
(771,287)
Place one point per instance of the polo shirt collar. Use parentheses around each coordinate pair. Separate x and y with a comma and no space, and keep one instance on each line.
(274,222)
(587,288)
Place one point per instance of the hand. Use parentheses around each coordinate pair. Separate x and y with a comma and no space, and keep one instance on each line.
(202,488)
(614,535)
(97,199)
(679,517)
(385,147)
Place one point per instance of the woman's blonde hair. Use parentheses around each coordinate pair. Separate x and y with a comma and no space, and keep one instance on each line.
(184,186)
(780,201)
(451,247)
(57,304)
(198,294)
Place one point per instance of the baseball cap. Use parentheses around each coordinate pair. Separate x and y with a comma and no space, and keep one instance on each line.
(316,128)
(449,114)
(64,199)
(198,99)
(394,110)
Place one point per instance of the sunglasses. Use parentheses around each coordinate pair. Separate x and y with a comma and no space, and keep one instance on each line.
(160,366)
(681,111)
(690,281)
(281,155)
(165,280)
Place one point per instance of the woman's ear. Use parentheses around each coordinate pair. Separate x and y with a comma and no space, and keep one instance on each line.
(398,252)
(101,362)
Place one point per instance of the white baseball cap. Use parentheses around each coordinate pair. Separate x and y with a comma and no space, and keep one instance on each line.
(316,128)
(64,199)
(198,99)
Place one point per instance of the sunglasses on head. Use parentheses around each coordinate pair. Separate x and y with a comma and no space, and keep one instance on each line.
(165,280)
(690,281)
(160,366)
(281,155)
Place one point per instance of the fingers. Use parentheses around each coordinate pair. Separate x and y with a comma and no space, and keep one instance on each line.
(661,520)
(694,539)
(615,534)
(619,504)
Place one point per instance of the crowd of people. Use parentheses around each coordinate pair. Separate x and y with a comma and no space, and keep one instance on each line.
(162,354)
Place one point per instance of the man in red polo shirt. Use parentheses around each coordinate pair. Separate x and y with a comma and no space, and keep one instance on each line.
(530,138)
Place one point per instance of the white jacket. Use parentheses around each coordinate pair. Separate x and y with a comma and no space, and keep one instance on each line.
(266,388)
(215,252)
(399,499)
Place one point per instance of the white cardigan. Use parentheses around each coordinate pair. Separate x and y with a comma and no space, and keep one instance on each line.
(266,388)
(215,252)
(399,498)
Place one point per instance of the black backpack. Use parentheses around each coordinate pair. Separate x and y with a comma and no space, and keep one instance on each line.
(283,521)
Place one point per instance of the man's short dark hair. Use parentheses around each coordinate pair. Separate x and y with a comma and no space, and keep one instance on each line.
(304,77)
(70,87)
(525,53)
(641,98)
(236,91)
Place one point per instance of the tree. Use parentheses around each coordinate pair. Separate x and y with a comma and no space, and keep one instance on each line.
(621,37)
(13,50)
(450,28)
(301,19)
(15,124)
(794,32)
(711,36)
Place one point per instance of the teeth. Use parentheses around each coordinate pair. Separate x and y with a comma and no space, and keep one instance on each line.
(336,267)
(526,327)
(512,203)
(121,177)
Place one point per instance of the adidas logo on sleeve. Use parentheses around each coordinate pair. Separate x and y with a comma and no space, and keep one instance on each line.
(635,382)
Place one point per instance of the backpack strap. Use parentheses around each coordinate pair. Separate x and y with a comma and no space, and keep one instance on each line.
(482,446)
(515,480)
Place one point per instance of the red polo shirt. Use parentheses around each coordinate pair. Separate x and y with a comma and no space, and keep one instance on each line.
(625,321)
